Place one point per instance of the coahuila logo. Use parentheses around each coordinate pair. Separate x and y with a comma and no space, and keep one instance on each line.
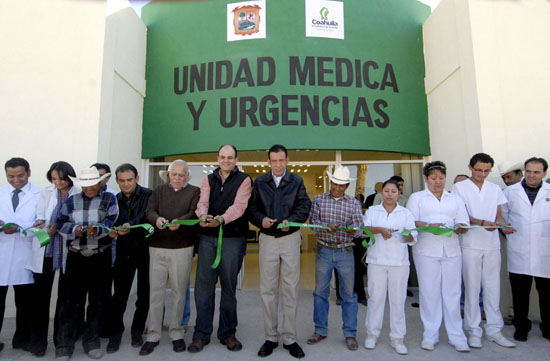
(324,22)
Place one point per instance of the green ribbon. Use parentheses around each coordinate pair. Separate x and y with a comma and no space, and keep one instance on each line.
(364,243)
(149,228)
(192,222)
(447,231)
(42,236)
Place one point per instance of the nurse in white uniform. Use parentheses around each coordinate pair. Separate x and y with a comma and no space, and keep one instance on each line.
(388,269)
(438,259)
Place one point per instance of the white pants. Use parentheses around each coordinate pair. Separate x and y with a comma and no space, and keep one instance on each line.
(390,280)
(174,266)
(481,270)
(439,280)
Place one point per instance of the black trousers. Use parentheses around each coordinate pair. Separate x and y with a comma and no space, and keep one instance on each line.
(42,292)
(127,262)
(359,284)
(521,287)
(84,276)
(23,317)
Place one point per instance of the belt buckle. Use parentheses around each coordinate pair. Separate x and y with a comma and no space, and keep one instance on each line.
(87,252)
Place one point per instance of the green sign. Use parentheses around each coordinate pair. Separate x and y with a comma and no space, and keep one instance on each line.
(363,92)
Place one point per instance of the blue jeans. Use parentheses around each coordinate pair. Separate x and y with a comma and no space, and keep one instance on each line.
(187,308)
(326,260)
(233,249)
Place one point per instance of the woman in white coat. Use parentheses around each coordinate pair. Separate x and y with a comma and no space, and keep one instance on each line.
(438,259)
(388,269)
(45,261)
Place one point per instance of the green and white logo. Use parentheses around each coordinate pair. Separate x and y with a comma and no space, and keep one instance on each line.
(324,13)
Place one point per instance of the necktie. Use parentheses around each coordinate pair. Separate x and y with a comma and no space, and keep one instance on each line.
(15,198)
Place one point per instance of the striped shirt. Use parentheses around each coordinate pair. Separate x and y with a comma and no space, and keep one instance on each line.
(80,210)
(342,212)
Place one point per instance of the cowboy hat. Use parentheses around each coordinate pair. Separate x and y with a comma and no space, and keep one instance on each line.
(88,177)
(340,175)
(509,166)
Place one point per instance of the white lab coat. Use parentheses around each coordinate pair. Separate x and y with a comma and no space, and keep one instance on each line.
(528,248)
(15,249)
(45,207)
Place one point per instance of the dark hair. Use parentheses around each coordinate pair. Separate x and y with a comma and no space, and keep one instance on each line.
(64,170)
(228,145)
(397,178)
(17,162)
(103,166)
(276,148)
(391,181)
(482,158)
(463,175)
(126,167)
(433,166)
(537,160)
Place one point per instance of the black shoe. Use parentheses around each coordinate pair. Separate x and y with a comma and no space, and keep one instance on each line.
(338,302)
(1,346)
(364,302)
(415,304)
(39,353)
(520,336)
(178,345)
(147,348)
(137,341)
(20,346)
(295,350)
(409,293)
(267,348)
(113,346)
(197,345)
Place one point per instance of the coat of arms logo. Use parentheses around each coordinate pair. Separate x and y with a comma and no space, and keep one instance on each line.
(246,20)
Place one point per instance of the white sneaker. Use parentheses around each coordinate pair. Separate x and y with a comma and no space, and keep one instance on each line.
(499,339)
(427,345)
(399,346)
(95,354)
(475,341)
(461,347)
(370,342)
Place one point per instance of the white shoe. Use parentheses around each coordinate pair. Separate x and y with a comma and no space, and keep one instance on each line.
(427,345)
(95,354)
(399,346)
(370,342)
(461,347)
(475,341)
(499,339)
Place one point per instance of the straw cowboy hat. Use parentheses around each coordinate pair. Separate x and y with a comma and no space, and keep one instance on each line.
(509,166)
(340,175)
(88,177)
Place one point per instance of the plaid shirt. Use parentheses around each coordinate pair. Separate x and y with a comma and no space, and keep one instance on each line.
(80,210)
(345,211)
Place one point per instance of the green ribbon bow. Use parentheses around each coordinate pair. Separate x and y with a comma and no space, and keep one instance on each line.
(42,236)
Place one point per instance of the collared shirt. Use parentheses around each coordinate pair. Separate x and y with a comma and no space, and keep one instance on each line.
(342,212)
(80,210)
(481,204)
(531,192)
(276,179)
(392,251)
(449,210)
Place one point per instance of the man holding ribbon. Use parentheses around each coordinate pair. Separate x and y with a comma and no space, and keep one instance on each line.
(170,251)
(223,202)
(279,197)
(84,221)
(18,200)
(481,252)
(528,209)
(335,209)
(132,254)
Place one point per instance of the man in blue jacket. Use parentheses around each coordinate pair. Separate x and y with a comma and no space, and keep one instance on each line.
(279,197)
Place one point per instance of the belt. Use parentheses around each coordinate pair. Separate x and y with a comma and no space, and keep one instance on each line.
(89,252)
(335,245)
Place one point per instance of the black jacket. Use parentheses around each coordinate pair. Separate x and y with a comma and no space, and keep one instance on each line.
(288,201)
(132,210)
